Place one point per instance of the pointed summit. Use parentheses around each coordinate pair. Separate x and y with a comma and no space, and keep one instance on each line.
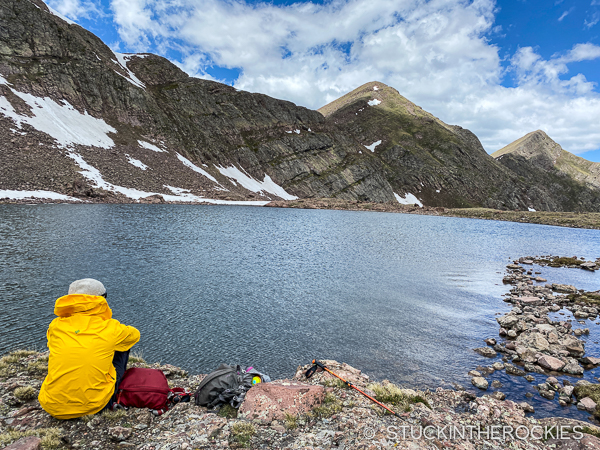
(541,152)
(423,157)
(536,146)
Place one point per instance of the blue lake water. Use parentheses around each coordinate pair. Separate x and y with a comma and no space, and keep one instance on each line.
(402,297)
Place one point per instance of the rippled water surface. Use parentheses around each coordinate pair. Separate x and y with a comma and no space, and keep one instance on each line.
(403,297)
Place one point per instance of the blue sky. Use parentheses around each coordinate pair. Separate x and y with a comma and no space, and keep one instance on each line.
(500,68)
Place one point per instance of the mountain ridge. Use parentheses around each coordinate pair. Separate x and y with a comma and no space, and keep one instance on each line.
(83,121)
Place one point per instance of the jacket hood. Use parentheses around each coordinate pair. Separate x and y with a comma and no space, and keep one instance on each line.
(90,305)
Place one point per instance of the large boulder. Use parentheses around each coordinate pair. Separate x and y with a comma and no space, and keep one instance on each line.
(550,362)
(266,402)
(508,321)
(574,346)
(26,443)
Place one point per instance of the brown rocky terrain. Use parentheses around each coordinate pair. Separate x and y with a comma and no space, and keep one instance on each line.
(446,165)
(286,414)
(80,122)
(573,181)
(83,121)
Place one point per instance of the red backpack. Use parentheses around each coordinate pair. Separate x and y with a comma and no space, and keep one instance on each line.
(149,388)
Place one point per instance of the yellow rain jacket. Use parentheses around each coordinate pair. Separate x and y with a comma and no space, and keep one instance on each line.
(82,341)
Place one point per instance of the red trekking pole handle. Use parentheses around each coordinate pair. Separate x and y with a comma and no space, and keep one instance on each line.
(319,365)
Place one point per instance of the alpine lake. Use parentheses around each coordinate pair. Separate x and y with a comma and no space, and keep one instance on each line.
(401,297)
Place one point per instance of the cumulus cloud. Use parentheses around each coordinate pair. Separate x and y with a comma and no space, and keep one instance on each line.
(436,53)
(76,9)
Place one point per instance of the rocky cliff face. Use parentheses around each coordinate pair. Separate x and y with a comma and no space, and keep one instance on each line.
(80,120)
(573,182)
(439,164)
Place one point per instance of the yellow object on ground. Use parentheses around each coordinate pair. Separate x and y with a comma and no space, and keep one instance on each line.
(82,341)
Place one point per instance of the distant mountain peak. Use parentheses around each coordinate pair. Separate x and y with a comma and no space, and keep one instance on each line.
(535,145)
(544,153)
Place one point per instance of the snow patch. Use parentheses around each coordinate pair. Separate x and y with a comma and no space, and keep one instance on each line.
(289,132)
(374,102)
(373,145)
(375,88)
(20,195)
(267,185)
(181,195)
(136,162)
(297,131)
(149,146)
(191,165)
(122,61)
(408,199)
(437,190)
(61,121)
(531,209)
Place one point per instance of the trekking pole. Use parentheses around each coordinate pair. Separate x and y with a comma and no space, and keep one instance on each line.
(317,364)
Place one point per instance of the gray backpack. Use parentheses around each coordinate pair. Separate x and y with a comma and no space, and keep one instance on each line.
(228,384)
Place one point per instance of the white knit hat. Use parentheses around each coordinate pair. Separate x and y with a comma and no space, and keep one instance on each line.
(87,286)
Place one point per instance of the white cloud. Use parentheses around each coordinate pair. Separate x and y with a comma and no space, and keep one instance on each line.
(75,9)
(563,15)
(436,53)
(593,20)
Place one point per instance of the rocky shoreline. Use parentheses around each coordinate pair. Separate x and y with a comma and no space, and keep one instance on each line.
(587,220)
(531,342)
(323,413)
(320,413)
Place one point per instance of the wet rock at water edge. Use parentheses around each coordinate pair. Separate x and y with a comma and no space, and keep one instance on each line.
(550,363)
(526,407)
(587,404)
(547,394)
(499,395)
(513,370)
(486,351)
(480,382)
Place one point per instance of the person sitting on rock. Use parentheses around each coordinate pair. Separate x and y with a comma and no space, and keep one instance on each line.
(89,351)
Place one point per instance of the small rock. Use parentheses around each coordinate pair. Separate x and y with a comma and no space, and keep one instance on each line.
(587,404)
(526,407)
(474,373)
(486,351)
(547,394)
(512,333)
(530,378)
(573,368)
(119,433)
(480,382)
(490,341)
(512,370)
(499,395)
(498,365)
(567,391)
(496,384)
(590,360)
